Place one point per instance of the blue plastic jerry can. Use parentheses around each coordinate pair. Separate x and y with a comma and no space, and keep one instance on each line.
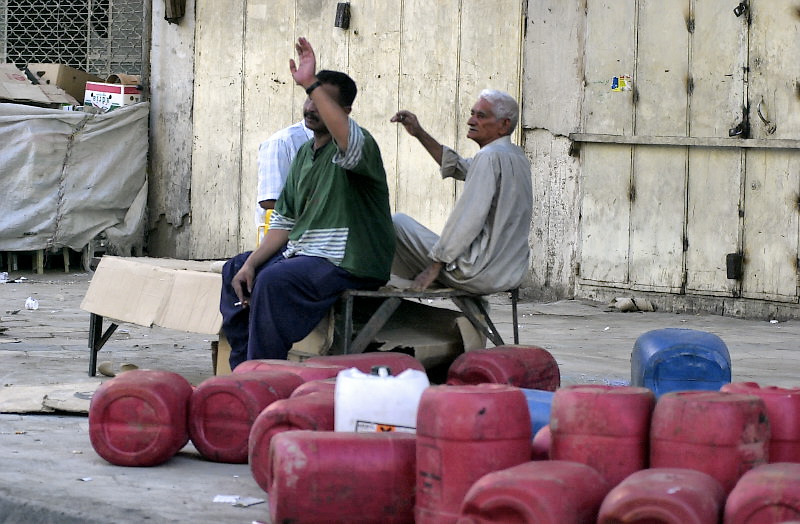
(675,359)
(539,404)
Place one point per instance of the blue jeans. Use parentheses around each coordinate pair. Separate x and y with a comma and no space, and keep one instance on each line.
(290,297)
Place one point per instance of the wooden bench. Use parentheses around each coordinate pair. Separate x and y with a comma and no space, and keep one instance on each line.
(176,294)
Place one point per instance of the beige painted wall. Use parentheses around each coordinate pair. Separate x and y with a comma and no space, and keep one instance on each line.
(609,218)
(429,57)
(413,54)
(670,190)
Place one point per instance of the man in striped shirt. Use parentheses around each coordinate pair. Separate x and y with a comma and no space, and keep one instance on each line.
(331,229)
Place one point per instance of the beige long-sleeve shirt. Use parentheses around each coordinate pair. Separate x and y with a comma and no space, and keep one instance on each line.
(484,243)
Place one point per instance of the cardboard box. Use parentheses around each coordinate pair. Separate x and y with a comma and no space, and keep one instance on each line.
(16,87)
(71,80)
(110,96)
(156,292)
(122,78)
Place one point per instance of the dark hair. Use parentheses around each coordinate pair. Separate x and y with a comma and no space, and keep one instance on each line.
(346,85)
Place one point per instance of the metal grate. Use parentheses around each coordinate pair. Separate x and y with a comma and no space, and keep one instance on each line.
(98,36)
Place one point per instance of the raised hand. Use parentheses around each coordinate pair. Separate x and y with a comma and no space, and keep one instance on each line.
(305,69)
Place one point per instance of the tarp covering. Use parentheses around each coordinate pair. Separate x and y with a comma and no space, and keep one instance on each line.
(68,176)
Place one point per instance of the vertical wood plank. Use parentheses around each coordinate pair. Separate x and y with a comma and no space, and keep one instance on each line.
(553,71)
(500,22)
(605,213)
(660,82)
(772,186)
(171,129)
(662,68)
(713,226)
(606,174)
(374,57)
(551,109)
(657,218)
(428,87)
(770,225)
(718,62)
(611,41)
(556,209)
(270,103)
(774,80)
(217,115)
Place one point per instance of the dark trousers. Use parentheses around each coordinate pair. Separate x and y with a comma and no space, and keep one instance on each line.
(290,297)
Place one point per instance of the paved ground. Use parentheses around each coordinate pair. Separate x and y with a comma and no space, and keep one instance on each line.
(52,474)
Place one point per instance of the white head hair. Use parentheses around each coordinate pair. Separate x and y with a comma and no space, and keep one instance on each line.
(503,105)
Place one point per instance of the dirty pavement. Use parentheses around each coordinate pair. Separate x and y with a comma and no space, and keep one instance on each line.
(52,474)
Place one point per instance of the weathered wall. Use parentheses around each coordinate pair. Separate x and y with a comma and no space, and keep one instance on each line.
(552,95)
(639,191)
(171,131)
(414,54)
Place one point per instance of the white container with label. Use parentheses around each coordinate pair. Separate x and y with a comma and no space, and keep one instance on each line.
(378,402)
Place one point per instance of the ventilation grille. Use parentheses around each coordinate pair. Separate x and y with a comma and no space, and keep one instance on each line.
(98,36)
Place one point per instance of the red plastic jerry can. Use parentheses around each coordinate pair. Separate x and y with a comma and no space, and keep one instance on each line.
(140,417)
(327,476)
(463,433)
(606,427)
(224,408)
(312,412)
(666,496)
(547,492)
(523,366)
(721,434)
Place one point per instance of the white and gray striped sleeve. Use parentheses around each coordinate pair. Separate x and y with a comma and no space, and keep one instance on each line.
(278,221)
(355,145)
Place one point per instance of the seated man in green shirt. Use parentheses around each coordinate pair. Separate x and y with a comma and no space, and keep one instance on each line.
(331,229)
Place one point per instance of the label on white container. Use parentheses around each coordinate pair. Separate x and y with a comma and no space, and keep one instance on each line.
(362,426)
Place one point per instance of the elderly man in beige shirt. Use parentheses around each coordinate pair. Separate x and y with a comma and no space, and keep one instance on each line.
(483,247)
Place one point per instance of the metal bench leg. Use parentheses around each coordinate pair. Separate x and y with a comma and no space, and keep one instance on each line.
(469,306)
(498,340)
(348,323)
(97,340)
(373,325)
(514,298)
